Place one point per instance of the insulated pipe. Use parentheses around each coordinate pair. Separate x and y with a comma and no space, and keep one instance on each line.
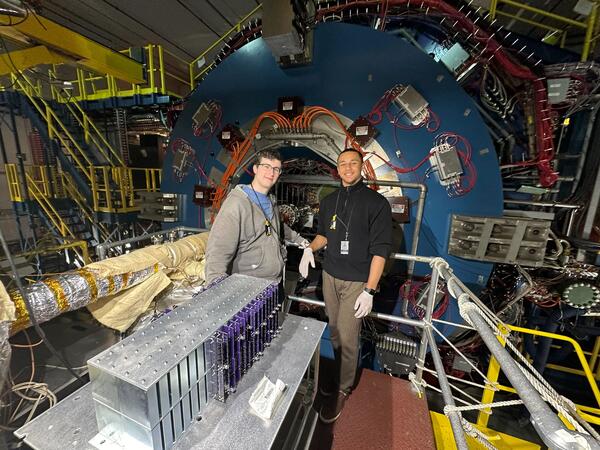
(545,421)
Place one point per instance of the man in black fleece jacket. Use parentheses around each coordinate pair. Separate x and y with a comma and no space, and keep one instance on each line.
(355,224)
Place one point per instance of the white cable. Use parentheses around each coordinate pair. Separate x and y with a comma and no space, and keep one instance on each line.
(547,392)
(461,354)
(461,380)
(449,409)
(459,325)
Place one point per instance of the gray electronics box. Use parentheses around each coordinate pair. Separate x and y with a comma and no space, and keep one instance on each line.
(201,115)
(447,162)
(160,206)
(410,101)
(149,388)
(278,30)
(502,240)
(558,89)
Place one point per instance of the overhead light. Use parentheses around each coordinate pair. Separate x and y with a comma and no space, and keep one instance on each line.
(62,83)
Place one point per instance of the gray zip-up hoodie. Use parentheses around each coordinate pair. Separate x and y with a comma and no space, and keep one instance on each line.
(238,243)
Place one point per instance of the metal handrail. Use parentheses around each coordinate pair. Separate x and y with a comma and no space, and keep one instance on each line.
(588,25)
(85,255)
(48,113)
(101,189)
(81,201)
(547,423)
(421,187)
(236,28)
(101,249)
(14,187)
(492,375)
(50,211)
(85,122)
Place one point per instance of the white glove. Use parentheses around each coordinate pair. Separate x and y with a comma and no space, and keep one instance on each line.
(307,257)
(304,244)
(363,305)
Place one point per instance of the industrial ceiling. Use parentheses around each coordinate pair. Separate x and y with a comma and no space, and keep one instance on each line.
(187,27)
(183,27)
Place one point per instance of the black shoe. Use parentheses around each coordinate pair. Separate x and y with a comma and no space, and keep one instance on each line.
(326,389)
(328,386)
(333,408)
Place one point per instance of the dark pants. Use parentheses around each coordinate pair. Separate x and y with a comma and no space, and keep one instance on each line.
(340,297)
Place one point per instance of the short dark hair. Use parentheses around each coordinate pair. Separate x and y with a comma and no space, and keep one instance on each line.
(267,154)
(351,149)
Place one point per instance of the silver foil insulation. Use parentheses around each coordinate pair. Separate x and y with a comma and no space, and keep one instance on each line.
(70,291)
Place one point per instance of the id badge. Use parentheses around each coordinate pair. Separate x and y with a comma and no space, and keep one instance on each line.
(344,247)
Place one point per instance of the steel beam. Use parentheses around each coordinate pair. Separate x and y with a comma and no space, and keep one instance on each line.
(85,52)
(29,57)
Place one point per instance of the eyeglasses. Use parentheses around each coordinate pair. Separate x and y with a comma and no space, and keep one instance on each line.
(270,168)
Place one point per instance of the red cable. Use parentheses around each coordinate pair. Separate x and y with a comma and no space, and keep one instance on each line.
(544,141)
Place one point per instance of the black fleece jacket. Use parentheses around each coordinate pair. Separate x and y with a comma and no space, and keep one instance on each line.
(368,217)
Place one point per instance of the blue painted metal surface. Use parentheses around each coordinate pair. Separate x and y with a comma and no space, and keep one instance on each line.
(352,67)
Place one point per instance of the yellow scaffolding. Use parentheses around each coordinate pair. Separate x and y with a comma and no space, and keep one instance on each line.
(588,413)
(82,245)
(201,58)
(589,25)
(158,79)
(105,198)
(14,186)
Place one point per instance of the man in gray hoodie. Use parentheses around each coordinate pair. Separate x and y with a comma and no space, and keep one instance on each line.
(247,236)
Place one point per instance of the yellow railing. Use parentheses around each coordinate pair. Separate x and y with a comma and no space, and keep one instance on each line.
(101,190)
(42,177)
(71,190)
(125,199)
(14,186)
(589,25)
(56,128)
(494,372)
(82,245)
(202,57)
(91,133)
(165,73)
(38,176)
(126,177)
(159,78)
(51,213)
(130,182)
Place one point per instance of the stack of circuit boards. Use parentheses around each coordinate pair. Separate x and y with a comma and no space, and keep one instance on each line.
(149,388)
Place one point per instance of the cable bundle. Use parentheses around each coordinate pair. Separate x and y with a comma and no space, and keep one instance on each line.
(301,123)
(492,51)
(468,179)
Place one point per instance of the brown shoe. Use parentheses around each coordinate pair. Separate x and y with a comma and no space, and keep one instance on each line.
(332,409)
